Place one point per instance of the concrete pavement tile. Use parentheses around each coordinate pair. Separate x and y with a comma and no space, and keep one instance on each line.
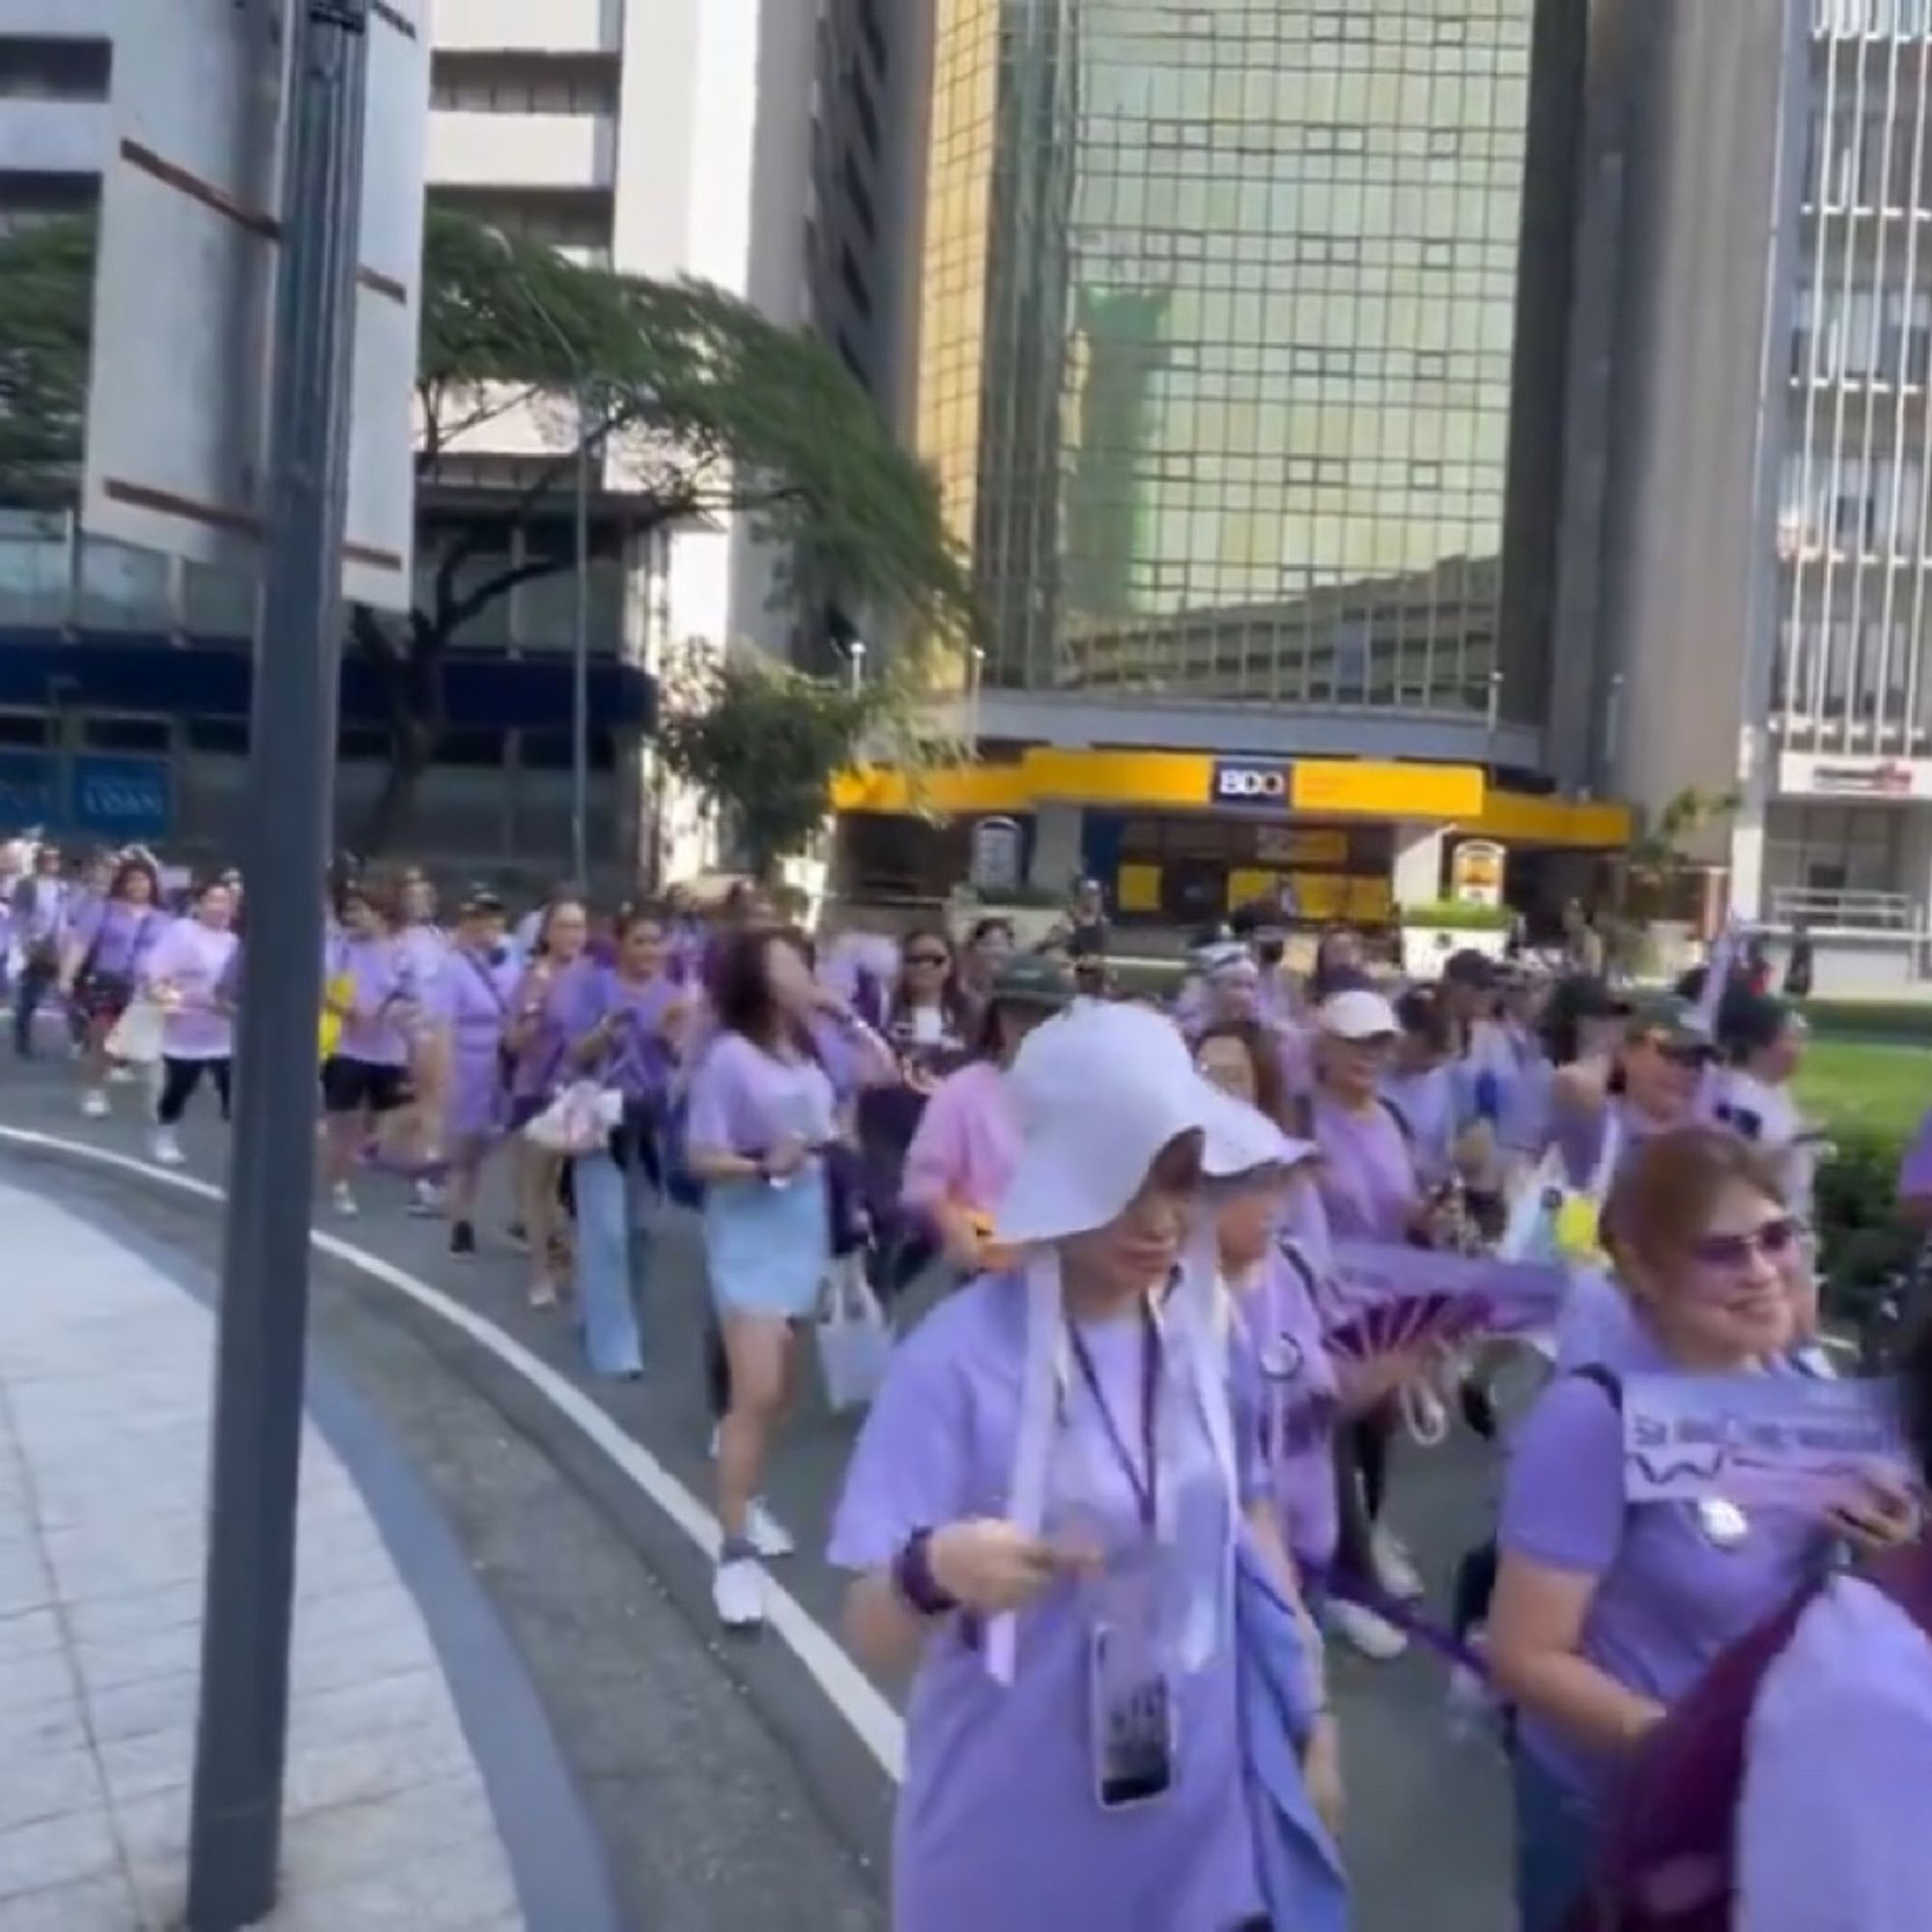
(29,1681)
(342,1571)
(29,1634)
(372,1708)
(114,1619)
(139,1710)
(336,1616)
(33,1788)
(57,1724)
(329,1848)
(25,1583)
(338,1662)
(144,1767)
(136,1659)
(89,1563)
(438,1893)
(323,1777)
(102,1904)
(55,1852)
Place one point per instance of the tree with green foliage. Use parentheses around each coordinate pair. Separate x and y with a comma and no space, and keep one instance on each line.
(762,743)
(705,409)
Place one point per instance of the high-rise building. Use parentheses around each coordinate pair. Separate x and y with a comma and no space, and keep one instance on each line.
(1242,362)
(1745,606)
(756,144)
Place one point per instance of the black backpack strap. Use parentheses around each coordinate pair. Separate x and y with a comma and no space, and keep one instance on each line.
(1291,1253)
(1400,1119)
(1606,1379)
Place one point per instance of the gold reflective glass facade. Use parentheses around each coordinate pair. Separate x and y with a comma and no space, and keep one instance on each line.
(1220,310)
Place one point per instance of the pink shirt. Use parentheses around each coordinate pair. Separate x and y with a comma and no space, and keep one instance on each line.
(967,1144)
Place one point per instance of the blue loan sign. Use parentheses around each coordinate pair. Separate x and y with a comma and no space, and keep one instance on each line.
(26,792)
(121,798)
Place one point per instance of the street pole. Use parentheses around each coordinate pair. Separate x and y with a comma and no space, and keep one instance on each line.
(242,1736)
(580,660)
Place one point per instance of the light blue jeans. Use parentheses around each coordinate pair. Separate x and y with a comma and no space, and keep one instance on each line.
(1555,1847)
(612,1249)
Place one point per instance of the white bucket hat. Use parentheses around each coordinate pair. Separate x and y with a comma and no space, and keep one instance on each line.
(1100,1090)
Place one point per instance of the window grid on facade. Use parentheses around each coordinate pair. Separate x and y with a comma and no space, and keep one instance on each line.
(1219,309)
(1854,526)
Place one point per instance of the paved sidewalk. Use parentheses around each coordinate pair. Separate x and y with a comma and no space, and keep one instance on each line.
(105,1368)
(1427,1838)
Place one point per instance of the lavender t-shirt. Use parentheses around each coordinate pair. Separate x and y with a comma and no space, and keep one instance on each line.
(115,936)
(1366,1176)
(1832,1829)
(638,1061)
(997,1823)
(194,961)
(382,986)
(1286,1397)
(1668,1599)
(744,1099)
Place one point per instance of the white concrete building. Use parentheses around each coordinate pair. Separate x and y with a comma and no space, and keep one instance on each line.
(763,145)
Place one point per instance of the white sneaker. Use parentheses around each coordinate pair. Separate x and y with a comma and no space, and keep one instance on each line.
(343,1201)
(166,1149)
(738,1593)
(1366,1633)
(426,1201)
(122,1076)
(765,1533)
(94,1104)
(1395,1568)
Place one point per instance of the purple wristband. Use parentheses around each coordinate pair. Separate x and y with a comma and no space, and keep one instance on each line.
(913,1577)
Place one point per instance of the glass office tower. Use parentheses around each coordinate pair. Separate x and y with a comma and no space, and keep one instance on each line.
(1242,355)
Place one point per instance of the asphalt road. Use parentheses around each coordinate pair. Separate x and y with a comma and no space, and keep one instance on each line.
(731,1791)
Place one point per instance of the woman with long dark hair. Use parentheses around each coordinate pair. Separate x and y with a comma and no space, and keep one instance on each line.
(763,1115)
(107,944)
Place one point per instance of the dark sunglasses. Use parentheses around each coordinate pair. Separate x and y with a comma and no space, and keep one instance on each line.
(926,959)
(1774,1242)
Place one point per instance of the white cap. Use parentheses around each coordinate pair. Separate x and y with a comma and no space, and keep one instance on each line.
(1357,1015)
(1100,1090)
(1224,957)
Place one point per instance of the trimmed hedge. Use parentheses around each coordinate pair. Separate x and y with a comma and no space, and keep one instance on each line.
(1862,1241)
(1897,1022)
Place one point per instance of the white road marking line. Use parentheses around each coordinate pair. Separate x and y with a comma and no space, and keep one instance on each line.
(852,1695)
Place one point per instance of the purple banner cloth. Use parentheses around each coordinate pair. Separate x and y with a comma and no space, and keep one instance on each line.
(1397,1297)
(1763,1442)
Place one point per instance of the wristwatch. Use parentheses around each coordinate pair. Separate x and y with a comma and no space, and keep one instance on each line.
(913,1577)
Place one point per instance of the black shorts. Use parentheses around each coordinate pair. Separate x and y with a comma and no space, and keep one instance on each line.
(351,1085)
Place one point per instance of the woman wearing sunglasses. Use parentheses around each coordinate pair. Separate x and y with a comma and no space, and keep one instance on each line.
(1606,1611)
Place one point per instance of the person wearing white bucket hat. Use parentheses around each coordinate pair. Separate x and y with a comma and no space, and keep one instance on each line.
(1041,1511)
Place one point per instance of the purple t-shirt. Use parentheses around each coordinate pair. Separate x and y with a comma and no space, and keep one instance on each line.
(998,1822)
(744,1099)
(1668,1599)
(116,935)
(382,990)
(640,1060)
(534,1005)
(1366,1176)
(1285,1399)
(1832,1829)
(195,963)
(1914,1170)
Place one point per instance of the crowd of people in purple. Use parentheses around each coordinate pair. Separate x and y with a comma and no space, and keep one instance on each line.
(1120,1488)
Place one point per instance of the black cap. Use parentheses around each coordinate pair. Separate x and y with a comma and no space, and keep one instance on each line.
(1470,968)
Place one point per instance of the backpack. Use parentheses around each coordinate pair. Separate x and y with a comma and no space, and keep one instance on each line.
(1669,1842)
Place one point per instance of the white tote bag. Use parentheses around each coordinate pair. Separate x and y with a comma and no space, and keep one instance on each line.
(135,1037)
(579,1121)
(855,1341)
